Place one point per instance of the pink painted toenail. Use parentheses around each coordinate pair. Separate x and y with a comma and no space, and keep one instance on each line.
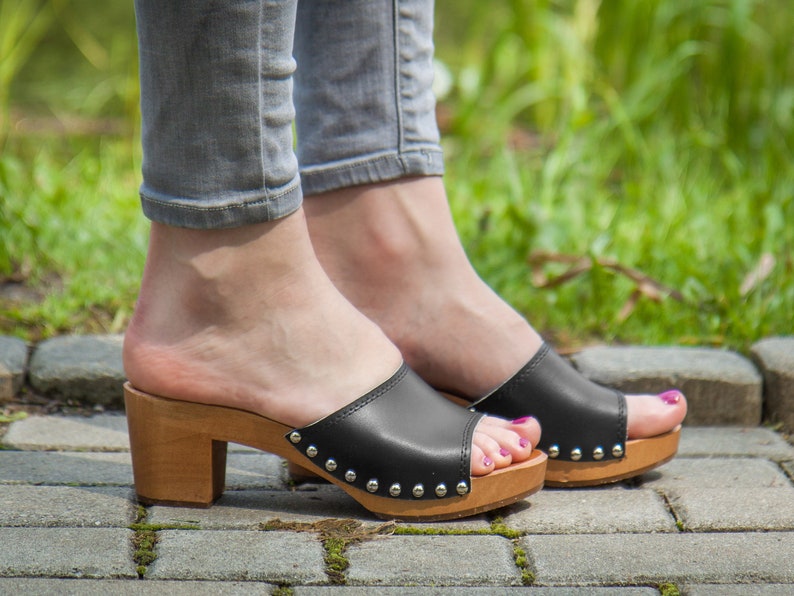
(504,452)
(671,397)
(487,461)
(522,420)
(523,442)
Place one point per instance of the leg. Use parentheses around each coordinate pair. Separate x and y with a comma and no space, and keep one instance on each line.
(234,308)
(413,279)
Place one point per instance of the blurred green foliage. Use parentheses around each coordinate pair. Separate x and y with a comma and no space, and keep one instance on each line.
(656,133)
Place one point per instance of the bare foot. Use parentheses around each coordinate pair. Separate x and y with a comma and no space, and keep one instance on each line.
(247,318)
(414,280)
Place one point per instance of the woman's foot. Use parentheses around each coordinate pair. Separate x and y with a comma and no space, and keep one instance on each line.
(393,251)
(247,318)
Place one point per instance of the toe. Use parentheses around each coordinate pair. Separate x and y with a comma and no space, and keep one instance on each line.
(651,415)
(481,462)
(497,443)
(519,436)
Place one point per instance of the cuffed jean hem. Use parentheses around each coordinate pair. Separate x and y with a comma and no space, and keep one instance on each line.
(372,169)
(236,210)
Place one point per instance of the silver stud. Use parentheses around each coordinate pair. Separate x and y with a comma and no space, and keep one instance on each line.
(441,490)
(617,450)
(472,410)
(372,485)
(330,465)
(295,437)
(350,476)
(418,491)
(554,451)
(598,453)
(311,451)
(395,489)
(576,454)
(462,487)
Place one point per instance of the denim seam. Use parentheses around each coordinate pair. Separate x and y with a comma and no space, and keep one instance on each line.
(259,91)
(398,81)
(182,206)
(371,160)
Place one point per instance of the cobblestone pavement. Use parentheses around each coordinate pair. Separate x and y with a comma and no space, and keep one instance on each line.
(719,519)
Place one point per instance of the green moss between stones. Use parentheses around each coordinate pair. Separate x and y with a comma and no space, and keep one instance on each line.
(669,589)
(144,527)
(414,531)
(520,556)
(144,541)
(499,528)
(336,562)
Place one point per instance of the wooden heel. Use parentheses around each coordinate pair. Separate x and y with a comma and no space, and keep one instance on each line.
(175,461)
(298,474)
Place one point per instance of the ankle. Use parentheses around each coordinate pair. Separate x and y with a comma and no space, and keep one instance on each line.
(405,225)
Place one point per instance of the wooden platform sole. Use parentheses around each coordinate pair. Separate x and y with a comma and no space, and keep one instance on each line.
(641,455)
(179,458)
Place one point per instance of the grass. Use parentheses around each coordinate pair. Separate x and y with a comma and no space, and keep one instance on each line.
(653,135)
(623,131)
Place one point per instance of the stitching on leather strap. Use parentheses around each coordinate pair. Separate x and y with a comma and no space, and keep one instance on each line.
(351,409)
(622,422)
(528,369)
(466,445)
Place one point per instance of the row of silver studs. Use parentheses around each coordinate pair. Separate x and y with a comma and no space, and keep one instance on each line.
(372,486)
(576,452)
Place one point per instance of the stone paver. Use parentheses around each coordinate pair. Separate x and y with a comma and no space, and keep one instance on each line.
(75,506)
(128,587)
(100,432)
(734,509)
(744,472)
(433,560)
(83,367)
(592,512)
(65,467)
(721,387)
(66,552)
(106,432)
(733,442)
(13,359)
(737,590)
(275,557)
(248,510)
(774,357)
(243,470)
(64,518)
(655,558)
(473,591)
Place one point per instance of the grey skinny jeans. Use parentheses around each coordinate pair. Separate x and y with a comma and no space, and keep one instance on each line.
(218,82)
